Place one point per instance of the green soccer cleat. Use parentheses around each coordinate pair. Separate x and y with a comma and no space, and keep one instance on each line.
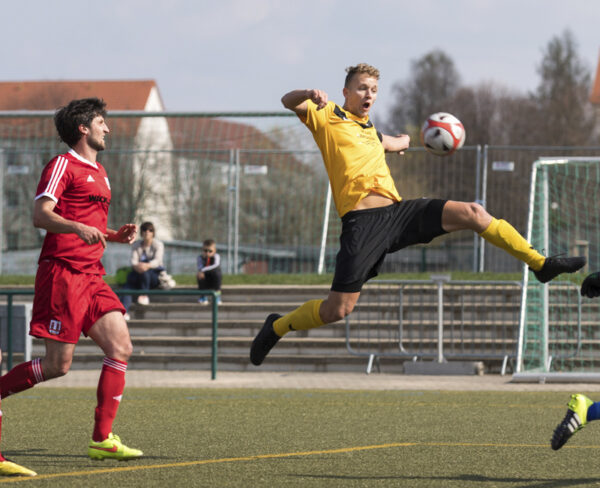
(574,420)
(112,448)
(8,468)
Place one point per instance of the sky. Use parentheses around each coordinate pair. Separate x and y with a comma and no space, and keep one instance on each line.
(243,55)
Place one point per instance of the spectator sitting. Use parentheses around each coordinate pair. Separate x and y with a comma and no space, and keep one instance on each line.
(209,275)
(146,262)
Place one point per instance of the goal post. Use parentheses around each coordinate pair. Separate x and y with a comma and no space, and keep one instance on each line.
(559,331)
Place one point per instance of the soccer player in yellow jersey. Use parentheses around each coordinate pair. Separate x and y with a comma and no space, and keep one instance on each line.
(375,219)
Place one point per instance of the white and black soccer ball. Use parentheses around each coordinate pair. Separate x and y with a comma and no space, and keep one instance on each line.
(442,134)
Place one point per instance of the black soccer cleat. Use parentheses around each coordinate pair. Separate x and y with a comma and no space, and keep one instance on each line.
(555,265)
(565,430)
(575,419)
(264,341)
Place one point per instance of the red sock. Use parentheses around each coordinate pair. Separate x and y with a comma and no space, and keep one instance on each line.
(110,390)
(21,377)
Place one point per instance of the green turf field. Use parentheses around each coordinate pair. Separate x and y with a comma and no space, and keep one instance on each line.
(304,438)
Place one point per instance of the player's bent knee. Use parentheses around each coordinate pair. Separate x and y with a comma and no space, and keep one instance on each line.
(55,369)
(475,216)
(118,349)
(122,352)
(336,313)
(475,211)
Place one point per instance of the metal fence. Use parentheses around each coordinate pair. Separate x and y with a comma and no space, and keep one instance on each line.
(436,319)
(11,294)
(257,185)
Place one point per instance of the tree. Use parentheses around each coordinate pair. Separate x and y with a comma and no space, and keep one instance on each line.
(433,82)
(519,120)
(495,115)
(562,95)
(478,109)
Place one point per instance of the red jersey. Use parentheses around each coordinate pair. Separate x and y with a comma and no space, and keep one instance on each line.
(81,191)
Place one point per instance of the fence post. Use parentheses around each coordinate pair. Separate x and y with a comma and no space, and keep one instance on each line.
(439,280)
(215,333)
(321,265)
(9,324)
(230,203)
(476,237)
(236,220)
(483,202)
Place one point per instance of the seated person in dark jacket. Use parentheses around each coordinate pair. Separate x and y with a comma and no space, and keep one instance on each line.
(209,275)
(146,262)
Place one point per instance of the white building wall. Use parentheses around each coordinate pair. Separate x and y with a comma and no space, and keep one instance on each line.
(152,169)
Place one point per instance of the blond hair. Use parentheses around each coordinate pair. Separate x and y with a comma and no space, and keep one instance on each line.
(360,69)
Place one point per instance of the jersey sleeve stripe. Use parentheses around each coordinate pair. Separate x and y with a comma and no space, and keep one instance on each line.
(46,194)
(57,173)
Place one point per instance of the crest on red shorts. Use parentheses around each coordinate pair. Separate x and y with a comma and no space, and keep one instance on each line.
(54,327)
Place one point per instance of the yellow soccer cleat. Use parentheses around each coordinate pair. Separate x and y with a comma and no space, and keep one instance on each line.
(575,419)
(8,468)
(112,448)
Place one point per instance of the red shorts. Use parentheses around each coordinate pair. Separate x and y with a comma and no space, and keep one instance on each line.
(67,302)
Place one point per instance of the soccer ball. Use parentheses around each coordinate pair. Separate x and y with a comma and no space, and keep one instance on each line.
(442,134)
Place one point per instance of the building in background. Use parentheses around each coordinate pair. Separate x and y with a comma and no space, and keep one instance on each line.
(137,156)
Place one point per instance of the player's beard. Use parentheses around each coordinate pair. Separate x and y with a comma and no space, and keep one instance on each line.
(97,144)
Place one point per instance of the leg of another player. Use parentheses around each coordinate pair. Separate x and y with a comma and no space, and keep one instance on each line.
(580,411)
(111,334)
(310,315)
(7,467)
(470,215)
(55,363)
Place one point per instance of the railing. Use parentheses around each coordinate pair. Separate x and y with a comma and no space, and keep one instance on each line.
(417,319)
(10,294)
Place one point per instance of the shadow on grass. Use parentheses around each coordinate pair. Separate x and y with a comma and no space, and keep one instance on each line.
(473,478)
(43,456)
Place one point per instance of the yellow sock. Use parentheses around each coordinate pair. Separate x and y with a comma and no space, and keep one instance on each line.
(503,235)
(303,318)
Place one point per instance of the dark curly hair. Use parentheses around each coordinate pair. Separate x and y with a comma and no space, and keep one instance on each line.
(68,119)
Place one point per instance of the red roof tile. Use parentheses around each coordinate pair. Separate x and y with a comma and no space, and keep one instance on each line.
(213,133)
(50,95)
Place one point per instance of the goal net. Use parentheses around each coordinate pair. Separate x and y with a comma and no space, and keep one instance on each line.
(559,331)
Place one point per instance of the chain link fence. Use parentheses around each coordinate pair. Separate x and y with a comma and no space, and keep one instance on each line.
(257,185)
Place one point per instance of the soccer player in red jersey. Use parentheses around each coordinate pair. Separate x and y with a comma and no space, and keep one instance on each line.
(71,297)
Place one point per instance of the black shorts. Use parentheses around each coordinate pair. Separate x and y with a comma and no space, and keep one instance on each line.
(368,235)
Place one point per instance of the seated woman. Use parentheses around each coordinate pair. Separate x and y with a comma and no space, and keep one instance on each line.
(146,262)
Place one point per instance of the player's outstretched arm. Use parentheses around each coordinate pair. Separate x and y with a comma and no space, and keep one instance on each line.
(591,285)
(397,143)
(296,100)
(125,235)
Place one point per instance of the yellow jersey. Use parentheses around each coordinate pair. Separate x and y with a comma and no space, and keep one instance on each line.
(352,153)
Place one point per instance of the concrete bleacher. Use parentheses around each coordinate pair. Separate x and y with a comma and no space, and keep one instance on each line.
(480,324)
(175,333)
